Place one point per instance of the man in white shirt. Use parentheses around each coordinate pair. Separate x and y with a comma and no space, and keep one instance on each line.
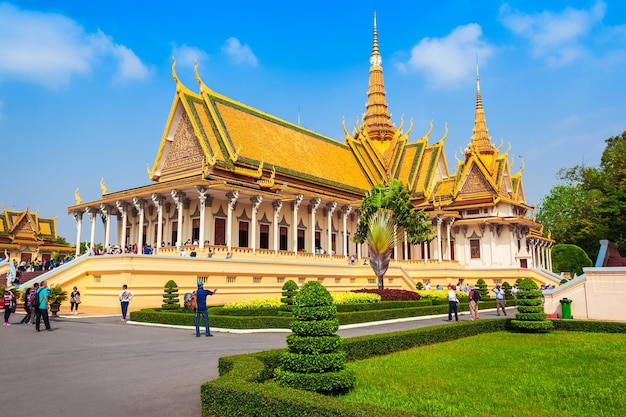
(452,305)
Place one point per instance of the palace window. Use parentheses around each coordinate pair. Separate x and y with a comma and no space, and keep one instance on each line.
(284,234)
(243,234)
(475,248)
(301,239)
(195,230)
(174,233)
(220,231)
(264,238)
(318,240)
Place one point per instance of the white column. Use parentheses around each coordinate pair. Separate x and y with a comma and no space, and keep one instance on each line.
(313,204)
(178,197)
(295,205)
(139,205)
(550,257)
(450,222)
(158,203)
(256,203)
(92,218)
(439,221)
(121,207)
(232,197)
(78,218)
(405,244)
(105,214)
(492,243)
(278,205)
(202,196)
(330,206)
(346,239)
(425,251)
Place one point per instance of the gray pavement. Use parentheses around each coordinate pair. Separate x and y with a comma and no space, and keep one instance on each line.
(100,366)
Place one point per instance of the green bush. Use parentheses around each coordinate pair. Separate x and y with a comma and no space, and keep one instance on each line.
(289,292)
(507,290)
(320,366)
(530,316)
(482,289)
(569,258)
(171,300)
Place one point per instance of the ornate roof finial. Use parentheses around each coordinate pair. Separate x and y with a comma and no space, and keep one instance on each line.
(377,120)
(480,141)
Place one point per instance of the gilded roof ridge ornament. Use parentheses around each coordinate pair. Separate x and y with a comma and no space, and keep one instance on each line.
(76,196)
(203,86)
(176,80)
(445,134)
(501,145)
(149,171)
(103,186)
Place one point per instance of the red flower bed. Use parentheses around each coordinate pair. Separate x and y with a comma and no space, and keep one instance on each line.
(391,295)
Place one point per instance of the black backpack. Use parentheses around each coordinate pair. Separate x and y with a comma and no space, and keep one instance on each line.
(475,295)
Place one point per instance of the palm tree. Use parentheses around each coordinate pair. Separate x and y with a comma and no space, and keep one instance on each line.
(382,237)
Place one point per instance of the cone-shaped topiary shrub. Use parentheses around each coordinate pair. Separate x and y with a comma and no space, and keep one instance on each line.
(482,289)
(290,290)
(507,290)
(419,286)
(314,361)
(530,316)
(170,296)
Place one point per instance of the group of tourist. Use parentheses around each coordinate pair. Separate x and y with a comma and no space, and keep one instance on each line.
(35,305)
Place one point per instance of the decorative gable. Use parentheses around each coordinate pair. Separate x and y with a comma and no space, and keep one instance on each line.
(475,183)
(184,153)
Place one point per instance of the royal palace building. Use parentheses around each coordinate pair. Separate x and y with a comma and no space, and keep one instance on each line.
(231,178)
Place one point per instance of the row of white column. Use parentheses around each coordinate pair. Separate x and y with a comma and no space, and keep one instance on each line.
(232,198)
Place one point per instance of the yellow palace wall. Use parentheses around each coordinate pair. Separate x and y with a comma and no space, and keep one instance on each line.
(99,278)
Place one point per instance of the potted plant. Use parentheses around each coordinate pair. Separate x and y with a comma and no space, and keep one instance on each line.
(55,298)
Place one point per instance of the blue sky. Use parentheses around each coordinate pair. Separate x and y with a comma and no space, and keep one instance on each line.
(86,87)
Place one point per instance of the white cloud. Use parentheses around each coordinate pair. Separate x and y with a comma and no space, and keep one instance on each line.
(449,60)
(240,54)
(49,49)
(555,37)
(186,55)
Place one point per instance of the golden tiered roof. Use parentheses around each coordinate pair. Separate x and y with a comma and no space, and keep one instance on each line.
(26,226)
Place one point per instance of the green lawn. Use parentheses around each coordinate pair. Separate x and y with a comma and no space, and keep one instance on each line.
(501,374)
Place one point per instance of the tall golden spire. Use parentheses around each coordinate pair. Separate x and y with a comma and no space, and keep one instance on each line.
(377,121)
(480,141)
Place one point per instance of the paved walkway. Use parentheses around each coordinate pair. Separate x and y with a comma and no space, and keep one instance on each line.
(96,365)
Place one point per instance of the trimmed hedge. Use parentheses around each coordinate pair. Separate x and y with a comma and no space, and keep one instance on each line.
(243,389)
(269,318)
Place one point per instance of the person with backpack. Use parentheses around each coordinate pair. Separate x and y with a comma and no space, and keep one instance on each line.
(27,308)
(474,296)
(10,303)
(32,302)
(41,301)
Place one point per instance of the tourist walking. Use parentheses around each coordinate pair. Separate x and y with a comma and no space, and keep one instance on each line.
(201,309)
(74,301)
(9,304)
(125,297)
(500,300)
(27,307)
(452,305)
(33,303)
(41,301)
(474,297)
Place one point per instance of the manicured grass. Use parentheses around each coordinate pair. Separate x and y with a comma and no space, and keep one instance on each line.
(501,374)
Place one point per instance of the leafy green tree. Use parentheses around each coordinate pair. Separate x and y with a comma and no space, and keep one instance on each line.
(384,231)
(170,296)
(591,205)
(394,197)
(314,360)
(569,258)
(530,317)
(382,237)
(62,241)
(507,290)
